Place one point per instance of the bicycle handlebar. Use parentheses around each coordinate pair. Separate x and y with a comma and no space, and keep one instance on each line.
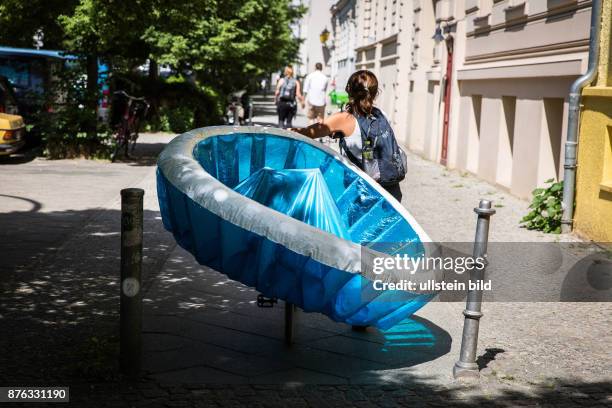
(133,98)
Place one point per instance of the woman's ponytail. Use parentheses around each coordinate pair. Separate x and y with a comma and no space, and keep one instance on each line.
(362,89)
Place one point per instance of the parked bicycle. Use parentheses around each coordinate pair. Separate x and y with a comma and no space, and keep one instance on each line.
(239,110)
(132,110)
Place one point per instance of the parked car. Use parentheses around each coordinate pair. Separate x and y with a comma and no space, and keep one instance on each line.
(12,133)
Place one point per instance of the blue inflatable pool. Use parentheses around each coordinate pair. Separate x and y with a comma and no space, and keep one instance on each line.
(289,217)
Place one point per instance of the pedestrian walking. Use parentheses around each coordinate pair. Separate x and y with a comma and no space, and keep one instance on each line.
(288,92)
(371,143)
(365,134)
(315,91)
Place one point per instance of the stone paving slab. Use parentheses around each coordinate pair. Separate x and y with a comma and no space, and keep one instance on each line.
(64,314)
(184,293)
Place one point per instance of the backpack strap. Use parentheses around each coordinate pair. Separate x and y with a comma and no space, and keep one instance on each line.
(349,154)
(365,125)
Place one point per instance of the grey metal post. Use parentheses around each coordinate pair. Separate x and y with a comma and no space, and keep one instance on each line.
(131,297)
(289,322)
(573,119)
(466,366)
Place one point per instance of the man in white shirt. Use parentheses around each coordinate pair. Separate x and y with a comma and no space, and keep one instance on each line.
(315,88)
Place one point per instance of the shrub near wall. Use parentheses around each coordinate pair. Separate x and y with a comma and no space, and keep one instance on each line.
(63,123)
(546,210)
(177,105)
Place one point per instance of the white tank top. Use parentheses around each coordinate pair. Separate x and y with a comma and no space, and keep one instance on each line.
(353,141)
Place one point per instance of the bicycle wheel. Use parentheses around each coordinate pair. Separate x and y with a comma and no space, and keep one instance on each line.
(121,144)
(132,141)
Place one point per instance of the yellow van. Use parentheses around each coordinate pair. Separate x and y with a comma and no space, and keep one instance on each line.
(12,133)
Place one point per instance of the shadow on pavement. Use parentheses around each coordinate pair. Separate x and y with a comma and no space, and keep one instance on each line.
(201,326)
(145,154)
(59,325)
(36,205)
(59,293)
(416,392)
(264,109)
(25,155)
(489,355)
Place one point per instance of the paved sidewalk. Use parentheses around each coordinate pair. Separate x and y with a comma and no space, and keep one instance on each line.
(59,242)
(194,311)
(207,343)
(265,112)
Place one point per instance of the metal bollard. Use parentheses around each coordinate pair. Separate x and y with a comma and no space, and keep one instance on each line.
(131,297)
(466,366)
(289,322)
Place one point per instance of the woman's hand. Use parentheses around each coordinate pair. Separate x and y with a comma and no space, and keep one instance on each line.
(342,123)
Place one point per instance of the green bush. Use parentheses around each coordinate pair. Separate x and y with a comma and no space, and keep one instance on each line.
(177,105)
(180,119)
(546,210)
(66,126)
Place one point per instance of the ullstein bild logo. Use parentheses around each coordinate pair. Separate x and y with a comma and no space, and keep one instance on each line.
(432,285)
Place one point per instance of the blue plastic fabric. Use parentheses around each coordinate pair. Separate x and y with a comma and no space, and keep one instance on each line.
(301,194)
(297,179)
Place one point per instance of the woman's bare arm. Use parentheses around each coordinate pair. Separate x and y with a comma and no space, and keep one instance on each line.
(298,93)
(338,122)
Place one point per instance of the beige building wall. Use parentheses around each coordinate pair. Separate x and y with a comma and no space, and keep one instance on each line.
(420,96)
(513,64)
(386,32)
(511,131)
(316,19)
(343,40)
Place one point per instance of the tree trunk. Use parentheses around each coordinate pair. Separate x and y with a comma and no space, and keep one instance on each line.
(153,70)
(92,95)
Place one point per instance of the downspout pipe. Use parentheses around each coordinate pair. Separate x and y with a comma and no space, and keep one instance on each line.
(573,120)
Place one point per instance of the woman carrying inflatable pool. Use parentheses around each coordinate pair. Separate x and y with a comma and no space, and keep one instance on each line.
(371,143)
(295,220)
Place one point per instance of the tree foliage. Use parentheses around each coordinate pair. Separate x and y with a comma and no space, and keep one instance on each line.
(19,21)
(214,46)
(110,29)
(224,42)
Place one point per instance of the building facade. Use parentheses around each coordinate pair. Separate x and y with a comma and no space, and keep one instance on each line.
(343,38)
(593,216)
(488,95)
(381,47)
(515,62)
(313,23)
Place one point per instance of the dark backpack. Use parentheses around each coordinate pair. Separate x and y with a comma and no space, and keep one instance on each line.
(381,157)
(288,89)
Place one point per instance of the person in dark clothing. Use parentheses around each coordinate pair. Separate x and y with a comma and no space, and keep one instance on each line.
(288,92)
